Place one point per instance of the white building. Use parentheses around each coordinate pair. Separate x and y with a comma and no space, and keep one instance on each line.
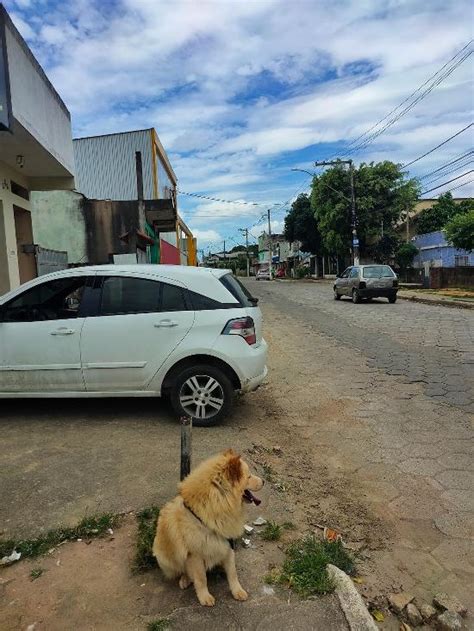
(35,150)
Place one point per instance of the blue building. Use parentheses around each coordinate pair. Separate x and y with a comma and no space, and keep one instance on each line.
(434,251)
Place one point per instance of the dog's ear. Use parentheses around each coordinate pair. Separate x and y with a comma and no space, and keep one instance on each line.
(229,452)
(233,468)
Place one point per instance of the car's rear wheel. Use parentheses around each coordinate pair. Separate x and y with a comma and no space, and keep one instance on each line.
(356,296)
(336,295)
(392,299)
(203,392)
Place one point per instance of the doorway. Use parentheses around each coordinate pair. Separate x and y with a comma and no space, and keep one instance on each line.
(24,236)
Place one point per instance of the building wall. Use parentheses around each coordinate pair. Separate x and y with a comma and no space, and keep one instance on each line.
(9,271)
(434,251)
(58,223)
(35,103)
(106,167)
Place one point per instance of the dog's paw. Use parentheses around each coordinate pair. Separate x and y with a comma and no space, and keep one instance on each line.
(240,594)
(207,600)
(184,582)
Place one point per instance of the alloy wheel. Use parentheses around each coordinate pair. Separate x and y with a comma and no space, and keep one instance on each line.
(201,396)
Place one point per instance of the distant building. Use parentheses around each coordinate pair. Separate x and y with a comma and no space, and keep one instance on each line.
(35,150)
(434,251)
(106,184)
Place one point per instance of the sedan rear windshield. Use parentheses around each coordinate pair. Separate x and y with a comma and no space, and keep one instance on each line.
(378,271)
(240,293)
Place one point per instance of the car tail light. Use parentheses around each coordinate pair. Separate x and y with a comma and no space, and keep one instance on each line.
(362,284)
(395,283)
(245,327)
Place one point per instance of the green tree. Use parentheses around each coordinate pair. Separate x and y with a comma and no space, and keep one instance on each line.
(443,210)
(301,225)
(405,254)
(383,195)
(460,231)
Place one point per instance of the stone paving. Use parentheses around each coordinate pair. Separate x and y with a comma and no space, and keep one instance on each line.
(408,368)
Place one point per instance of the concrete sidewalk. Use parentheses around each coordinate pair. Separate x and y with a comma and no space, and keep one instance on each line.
(434,299)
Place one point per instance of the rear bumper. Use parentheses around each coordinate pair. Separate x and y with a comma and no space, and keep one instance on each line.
(254,382)
(378,293)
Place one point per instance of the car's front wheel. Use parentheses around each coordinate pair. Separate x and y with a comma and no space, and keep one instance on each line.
(392,299)
(203,392)
(337,296)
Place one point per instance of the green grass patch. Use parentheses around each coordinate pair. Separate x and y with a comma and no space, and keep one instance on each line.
(272,531)
(144,559)
(158,625)
(94,526)
(304,569)
(36,573)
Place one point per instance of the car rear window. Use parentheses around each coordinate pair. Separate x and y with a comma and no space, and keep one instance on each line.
(240,293)
(378,271)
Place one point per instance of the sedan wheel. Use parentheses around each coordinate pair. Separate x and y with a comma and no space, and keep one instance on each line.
(336,295)
(204,393)
(355,296)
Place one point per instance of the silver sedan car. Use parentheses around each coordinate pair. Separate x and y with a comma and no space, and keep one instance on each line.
(367,281)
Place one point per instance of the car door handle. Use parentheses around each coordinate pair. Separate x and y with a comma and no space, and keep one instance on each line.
(63,331)
(165,324)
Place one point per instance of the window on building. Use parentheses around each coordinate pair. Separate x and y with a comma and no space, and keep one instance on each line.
(461,261)
(19,190)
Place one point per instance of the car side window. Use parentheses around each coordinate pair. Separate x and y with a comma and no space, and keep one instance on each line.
(173,298)
(123,294)
(354,272)
(53,300)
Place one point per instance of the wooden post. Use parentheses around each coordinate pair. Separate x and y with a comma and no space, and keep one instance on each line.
(186,445)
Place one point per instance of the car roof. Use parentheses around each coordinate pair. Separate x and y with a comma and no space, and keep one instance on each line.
(193,277)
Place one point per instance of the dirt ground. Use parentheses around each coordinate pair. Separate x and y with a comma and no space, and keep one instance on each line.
(303,433)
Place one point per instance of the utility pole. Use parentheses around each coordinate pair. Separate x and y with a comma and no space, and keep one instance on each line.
(224,249)
(246,232)
(270,244)
(355,238)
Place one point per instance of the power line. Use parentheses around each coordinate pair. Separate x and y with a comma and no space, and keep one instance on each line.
(435,81)
(448,182)
(216,199)
(445,173)
(430,79)
(407,164)
(441,168)
(459,186)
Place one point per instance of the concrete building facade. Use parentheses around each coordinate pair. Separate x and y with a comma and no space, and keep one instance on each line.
(36,150)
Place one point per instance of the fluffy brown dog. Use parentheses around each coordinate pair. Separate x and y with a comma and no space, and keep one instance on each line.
(196,529)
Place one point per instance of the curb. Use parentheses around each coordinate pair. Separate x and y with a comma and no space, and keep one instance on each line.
(352,604)
(441,303)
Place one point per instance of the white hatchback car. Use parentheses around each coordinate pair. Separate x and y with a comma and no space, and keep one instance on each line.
(194,334)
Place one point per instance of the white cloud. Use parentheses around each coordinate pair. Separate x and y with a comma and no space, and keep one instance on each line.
(234,88)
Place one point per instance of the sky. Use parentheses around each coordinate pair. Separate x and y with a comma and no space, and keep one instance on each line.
(242,91)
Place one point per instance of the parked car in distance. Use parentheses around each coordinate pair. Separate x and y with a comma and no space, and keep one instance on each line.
(263,274)
(193,334)
(367,282)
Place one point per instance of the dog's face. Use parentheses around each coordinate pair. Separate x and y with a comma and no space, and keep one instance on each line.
(240,476)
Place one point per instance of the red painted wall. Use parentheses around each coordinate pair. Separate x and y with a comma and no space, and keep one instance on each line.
(169,254)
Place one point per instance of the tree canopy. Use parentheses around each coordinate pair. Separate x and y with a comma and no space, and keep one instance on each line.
(443,210)
(460,231)
(383,196)
(301,225)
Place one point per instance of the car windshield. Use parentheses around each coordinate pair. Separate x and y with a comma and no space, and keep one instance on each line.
(378,271)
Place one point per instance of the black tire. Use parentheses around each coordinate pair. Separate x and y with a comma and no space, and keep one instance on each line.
(356,296)
(180,389)
(392,299)
(336,295)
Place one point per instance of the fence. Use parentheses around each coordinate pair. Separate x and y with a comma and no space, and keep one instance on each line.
(441,277)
